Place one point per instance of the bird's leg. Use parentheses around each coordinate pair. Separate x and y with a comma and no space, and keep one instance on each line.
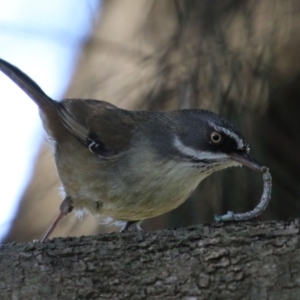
(132,226)
(65,208)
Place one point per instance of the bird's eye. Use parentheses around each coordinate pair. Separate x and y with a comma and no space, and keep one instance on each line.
(216,137)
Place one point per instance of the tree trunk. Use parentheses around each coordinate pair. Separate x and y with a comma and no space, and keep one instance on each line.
(236,261)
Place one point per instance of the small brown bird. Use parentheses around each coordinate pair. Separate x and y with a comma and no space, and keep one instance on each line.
(131,165)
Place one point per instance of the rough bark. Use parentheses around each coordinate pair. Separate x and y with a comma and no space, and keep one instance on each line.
(236,261)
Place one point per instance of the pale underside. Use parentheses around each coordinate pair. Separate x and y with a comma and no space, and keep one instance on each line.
(115,190)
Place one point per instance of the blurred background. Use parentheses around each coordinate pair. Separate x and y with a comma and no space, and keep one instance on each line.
(236,58)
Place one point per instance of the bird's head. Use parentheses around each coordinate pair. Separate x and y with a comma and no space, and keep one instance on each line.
(209,142)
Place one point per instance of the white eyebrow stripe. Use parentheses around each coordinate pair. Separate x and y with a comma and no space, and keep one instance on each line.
(200,155)
(240,143)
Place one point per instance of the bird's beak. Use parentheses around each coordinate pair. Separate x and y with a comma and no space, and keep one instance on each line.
(246,160)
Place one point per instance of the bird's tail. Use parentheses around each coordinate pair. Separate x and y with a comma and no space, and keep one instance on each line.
(27,85)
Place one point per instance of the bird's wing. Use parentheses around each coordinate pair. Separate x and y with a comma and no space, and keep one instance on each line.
(102,127)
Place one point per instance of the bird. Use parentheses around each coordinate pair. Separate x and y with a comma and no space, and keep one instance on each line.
(131,165)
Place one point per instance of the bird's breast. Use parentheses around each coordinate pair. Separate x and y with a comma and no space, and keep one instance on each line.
(127,190)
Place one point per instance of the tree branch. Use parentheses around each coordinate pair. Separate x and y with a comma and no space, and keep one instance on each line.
(232,261)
